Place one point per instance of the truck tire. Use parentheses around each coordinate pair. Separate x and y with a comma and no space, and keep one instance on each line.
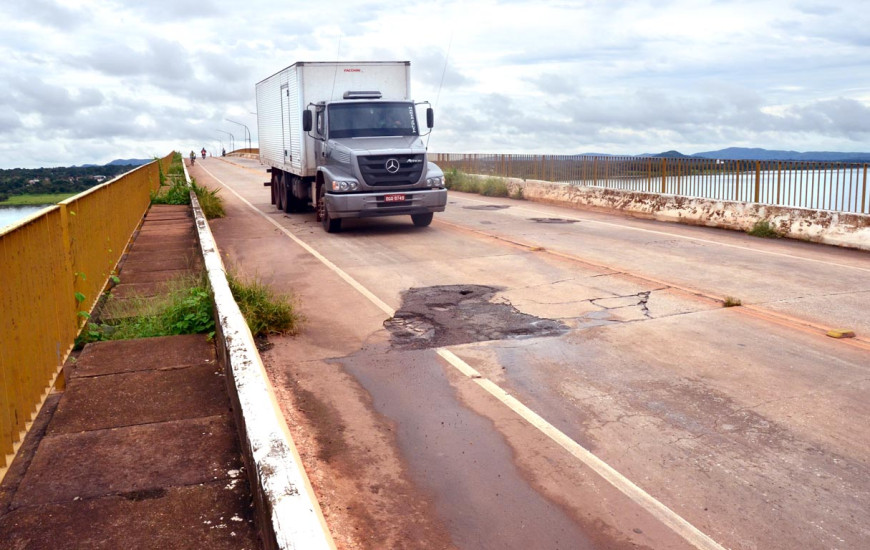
(297,194)
(279,192)
(329,225)
(422,220)
(289,201)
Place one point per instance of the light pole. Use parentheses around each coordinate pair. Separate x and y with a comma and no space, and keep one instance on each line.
(232,140)
(247,132)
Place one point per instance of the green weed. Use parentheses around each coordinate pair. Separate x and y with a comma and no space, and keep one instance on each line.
(730,301)
(764,229)
(265,311)
(186,308)
(211,203)
(493,187)
(177,193)
(489,187)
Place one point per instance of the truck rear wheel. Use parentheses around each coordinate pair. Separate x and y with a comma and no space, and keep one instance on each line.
(422,220)
(289,202)
(278,187)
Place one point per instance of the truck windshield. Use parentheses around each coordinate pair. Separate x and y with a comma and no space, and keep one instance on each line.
(372,120)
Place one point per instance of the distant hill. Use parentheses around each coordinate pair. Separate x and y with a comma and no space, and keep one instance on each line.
(128,162)
(744,153)
(667,155)
(118,162)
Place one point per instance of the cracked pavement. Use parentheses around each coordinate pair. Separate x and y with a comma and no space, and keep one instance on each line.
(752,429)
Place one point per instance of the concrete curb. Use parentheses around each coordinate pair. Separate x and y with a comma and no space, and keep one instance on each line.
(288,514)
(821,226)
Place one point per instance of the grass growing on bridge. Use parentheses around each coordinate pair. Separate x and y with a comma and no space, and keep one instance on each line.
(764,229)
(174,190)
(265,311)
(489,187)
(185,308)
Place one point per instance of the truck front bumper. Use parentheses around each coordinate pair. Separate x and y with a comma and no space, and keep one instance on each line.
(369,205)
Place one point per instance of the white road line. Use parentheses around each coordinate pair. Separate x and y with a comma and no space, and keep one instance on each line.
(658,510)
(677,236)
(338,271)
(661,512)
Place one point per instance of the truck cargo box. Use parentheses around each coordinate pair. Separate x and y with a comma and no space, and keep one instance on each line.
(282,97)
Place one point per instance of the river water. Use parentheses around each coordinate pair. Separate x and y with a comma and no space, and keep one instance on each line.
(11,214)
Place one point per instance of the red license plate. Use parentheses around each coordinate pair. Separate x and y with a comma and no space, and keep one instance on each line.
(394,198)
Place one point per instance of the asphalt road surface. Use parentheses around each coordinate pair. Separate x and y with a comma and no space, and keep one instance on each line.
(520,375)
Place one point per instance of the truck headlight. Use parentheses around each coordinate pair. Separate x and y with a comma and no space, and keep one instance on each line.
(434,182)
(345,186)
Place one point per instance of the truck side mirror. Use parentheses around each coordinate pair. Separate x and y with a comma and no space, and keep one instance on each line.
(430,118)
(306,121)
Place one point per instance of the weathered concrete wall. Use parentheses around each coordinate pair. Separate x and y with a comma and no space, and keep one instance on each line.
(822,226)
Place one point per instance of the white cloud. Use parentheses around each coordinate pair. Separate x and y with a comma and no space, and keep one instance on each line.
(86,82)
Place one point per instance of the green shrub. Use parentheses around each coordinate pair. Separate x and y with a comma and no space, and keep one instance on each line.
(187,308)
(190,312)
(460,181)
(177,193)
(489,187)
(493,187)
(265,311)
(764,229)
(211,203)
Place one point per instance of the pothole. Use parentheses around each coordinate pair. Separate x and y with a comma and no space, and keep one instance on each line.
(553,220)
(459,314)
(487,207)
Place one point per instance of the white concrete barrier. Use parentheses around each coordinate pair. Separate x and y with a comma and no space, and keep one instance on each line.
(287,512)
(822,226)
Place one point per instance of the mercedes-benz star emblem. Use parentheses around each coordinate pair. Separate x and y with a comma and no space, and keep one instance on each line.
(392,166)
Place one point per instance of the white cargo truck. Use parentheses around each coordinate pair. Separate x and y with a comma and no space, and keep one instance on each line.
(344,138)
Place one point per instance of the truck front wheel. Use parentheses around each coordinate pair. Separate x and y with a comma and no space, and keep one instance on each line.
(329,225)
(422,220)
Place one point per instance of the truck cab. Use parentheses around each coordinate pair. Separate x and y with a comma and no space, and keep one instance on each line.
(371,160)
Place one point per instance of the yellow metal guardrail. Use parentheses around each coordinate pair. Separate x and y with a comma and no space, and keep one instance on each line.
(818,185)
(248,151)
(53,267)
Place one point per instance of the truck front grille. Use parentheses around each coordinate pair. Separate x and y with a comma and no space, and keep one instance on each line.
(376,169)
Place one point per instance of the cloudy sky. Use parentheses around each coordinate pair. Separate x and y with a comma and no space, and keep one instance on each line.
(88,81)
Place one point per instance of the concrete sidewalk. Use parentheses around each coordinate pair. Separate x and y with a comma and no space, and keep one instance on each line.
(141,449)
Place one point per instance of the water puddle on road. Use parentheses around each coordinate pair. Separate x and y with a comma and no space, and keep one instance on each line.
(459,314)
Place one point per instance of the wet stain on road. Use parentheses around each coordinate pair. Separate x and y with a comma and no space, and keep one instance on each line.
(553,220)
(460,314)
(487,207)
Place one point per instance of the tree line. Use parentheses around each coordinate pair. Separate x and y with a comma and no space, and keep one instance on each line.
(70,179)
